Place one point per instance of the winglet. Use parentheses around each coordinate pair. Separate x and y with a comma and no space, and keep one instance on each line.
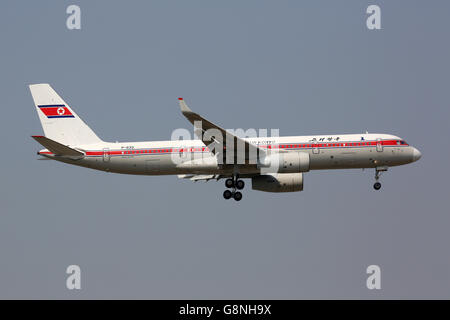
(183,106)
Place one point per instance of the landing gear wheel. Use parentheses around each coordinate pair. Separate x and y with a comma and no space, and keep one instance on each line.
(240,184)
(229,183)
(227,194)
(377,186)
(237,196)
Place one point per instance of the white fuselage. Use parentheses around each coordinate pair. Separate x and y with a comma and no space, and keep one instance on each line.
(343,151)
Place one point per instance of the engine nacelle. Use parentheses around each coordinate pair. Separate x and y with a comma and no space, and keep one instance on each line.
(278,182)
(285,162)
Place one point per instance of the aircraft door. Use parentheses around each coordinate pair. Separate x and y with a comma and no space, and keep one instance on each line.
(183,153)
(379,145)
(106,155)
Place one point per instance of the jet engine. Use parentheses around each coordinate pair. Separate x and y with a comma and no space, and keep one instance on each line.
(278,182)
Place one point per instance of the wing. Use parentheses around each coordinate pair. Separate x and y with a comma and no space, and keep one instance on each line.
(228,147)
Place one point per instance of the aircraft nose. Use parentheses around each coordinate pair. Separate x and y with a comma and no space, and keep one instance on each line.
(416,154)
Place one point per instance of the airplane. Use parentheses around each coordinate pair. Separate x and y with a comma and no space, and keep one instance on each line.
(274,164)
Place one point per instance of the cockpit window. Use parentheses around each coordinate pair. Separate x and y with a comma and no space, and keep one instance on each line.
(403,142)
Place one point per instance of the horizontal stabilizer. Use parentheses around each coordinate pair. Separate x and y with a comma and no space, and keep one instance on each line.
(57,148)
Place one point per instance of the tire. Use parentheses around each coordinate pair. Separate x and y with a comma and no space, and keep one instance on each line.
(237,196)
(227,194)
(377,186)
(229,183)
(240,184)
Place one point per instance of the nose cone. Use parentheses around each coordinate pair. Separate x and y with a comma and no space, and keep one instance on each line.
(416,154)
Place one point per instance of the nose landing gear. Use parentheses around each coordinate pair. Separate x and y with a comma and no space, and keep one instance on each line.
(378,171)
(233,183)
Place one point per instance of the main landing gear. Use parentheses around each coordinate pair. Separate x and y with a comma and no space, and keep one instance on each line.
(378,171)
(233,183)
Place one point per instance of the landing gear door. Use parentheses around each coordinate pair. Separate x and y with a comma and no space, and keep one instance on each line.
(379,145)
(106,155)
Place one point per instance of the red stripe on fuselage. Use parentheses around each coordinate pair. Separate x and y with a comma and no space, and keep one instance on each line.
(279,146)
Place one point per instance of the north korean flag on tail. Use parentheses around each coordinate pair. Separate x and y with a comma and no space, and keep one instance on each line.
(56,111)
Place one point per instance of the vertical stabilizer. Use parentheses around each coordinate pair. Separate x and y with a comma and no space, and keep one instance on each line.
(59,121)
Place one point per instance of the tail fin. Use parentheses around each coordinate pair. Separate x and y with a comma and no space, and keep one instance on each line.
(59,121)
